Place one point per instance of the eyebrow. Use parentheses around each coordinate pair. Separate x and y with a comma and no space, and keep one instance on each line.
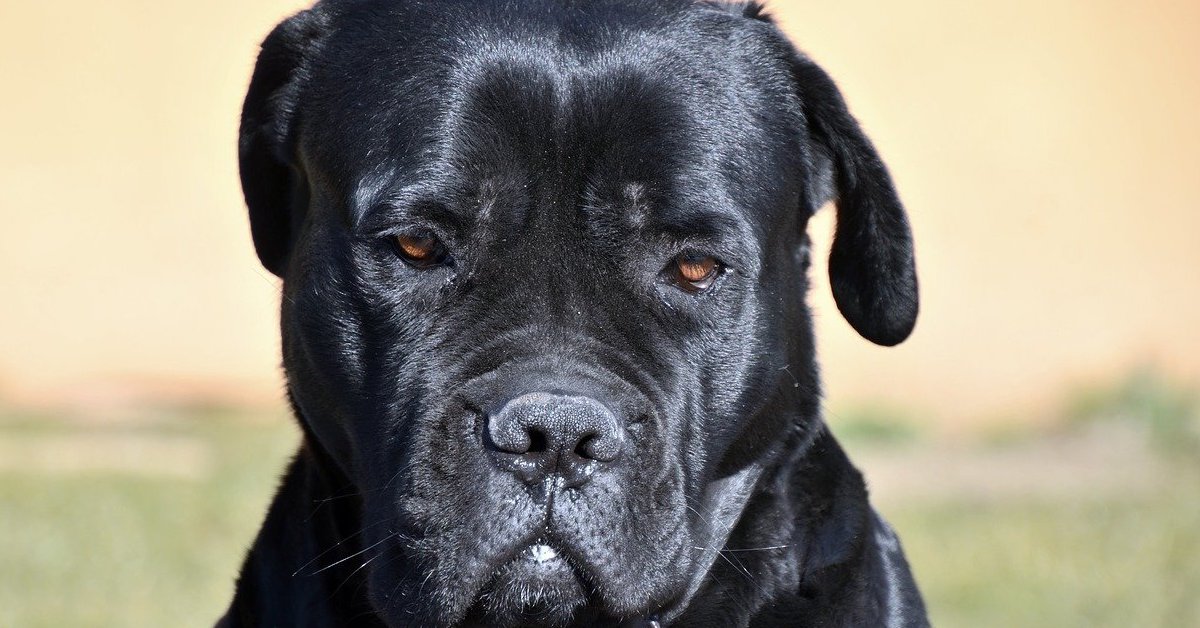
(696,209)
(703,223)
(379,206)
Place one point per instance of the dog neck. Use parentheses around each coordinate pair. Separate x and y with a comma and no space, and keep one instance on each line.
(791,555)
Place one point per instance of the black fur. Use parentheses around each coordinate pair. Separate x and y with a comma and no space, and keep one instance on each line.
(566,153)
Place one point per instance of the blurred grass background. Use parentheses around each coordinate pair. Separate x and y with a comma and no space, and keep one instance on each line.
(92,539)
(1035,441)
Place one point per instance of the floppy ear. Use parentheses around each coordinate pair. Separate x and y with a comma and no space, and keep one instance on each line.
(871,267)
(269,180)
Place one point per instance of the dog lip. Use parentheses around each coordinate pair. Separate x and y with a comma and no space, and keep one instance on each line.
(536,586)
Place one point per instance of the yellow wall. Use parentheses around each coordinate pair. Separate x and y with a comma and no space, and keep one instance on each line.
(1046,150)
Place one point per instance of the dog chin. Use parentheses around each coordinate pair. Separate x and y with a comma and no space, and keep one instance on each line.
(537,588)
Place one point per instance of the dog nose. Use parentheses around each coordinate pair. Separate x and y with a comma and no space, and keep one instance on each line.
(540,434)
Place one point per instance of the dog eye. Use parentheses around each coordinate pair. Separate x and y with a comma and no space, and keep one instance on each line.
(694,273)
(421,250)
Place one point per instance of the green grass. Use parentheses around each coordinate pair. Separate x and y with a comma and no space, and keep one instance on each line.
(1117,562)
(1168,411)
(106,547)
(874,424)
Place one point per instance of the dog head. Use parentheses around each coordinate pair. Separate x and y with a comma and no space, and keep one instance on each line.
(544,268)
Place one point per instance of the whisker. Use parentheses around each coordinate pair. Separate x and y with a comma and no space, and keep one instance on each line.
(753,549)
(351,576)
(740,568)
(337,545)
(358,553)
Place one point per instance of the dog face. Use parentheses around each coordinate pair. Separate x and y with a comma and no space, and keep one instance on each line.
(544,271)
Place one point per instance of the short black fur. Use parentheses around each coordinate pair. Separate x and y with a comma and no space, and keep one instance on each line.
(544,427)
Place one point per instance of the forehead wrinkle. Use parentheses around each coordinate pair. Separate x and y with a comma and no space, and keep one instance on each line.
(580,63)
(591,60)
(449,199)
(707,214)
(698,222)
(387,202)
(599,73)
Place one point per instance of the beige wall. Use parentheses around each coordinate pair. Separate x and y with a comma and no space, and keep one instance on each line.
(1046,150)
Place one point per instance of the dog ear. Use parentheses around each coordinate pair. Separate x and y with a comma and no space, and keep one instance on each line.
(871,267)
(265,145)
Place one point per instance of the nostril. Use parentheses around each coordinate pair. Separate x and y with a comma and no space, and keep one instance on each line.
(537,434)
(583,449)
(537,442)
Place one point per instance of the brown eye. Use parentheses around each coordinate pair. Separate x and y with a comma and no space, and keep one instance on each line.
(695,273)
(421,250)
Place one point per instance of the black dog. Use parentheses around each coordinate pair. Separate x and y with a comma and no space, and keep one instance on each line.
(544,324)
